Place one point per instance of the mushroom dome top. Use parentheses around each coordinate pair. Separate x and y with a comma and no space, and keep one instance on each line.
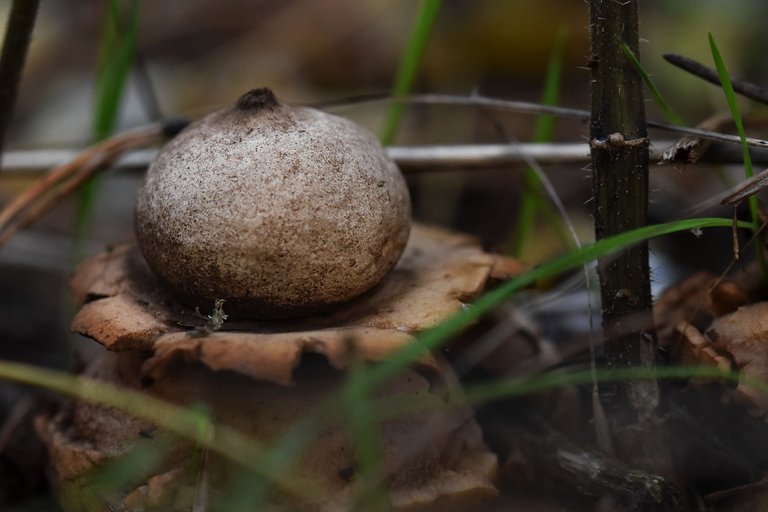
(279,210)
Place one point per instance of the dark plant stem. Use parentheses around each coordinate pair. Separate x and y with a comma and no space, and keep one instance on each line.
(18,33)
(619,143)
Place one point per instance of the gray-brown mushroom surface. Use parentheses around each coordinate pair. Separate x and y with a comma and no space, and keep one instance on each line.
(279,210)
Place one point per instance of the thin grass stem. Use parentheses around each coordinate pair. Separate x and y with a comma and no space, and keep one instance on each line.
(670,114)
(730,96)
(406,73)
(531,198)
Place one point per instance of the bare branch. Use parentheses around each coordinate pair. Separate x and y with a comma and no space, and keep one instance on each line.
(743,87)
(536,108)
(411,159)
(746,188)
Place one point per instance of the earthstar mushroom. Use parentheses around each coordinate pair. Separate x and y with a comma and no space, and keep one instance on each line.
(261,378)
(280,210)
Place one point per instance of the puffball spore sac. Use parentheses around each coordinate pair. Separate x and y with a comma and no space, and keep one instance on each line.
(280,210)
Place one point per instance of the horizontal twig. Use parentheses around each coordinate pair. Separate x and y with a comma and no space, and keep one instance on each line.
(409,158)
(746,188)
(474,156)
(418,158)
(41,160)
(537,108)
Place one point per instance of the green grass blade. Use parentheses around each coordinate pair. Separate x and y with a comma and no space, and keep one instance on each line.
(117,50)
(532,198)
(671,116)
(730,96)
(432,338)
(544,128)
(409,66)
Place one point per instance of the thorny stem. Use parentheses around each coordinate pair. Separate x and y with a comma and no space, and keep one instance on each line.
(18,32)
(619,142)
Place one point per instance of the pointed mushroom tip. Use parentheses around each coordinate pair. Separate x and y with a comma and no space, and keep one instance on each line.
(257,99)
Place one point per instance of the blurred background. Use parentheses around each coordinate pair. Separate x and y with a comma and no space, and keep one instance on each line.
(195,56)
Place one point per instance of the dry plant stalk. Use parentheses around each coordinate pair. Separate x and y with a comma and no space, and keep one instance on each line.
(18,33)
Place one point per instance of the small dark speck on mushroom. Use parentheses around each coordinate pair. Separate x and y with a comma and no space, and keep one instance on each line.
(346,474)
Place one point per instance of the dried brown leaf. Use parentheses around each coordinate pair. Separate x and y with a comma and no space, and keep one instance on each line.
(689,149)
(743,335)
(696,300)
